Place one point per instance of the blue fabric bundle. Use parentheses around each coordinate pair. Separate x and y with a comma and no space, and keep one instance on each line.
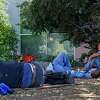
(78,74)
(4,89)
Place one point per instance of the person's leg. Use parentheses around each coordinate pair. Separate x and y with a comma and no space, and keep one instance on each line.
(61,62)
(27,76)
(40,74)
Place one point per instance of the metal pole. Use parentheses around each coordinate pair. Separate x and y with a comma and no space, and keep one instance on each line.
(18,34)
(47,44)
(74,53)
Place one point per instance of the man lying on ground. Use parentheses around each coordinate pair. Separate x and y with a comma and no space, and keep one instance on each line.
(62,64)
(93,64)
(23,75)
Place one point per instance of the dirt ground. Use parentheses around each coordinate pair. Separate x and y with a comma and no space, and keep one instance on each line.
(83,90)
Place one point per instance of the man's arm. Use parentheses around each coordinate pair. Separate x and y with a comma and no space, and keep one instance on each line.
(93,56)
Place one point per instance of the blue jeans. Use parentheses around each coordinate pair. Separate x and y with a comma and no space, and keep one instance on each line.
(27,76)
(61,63)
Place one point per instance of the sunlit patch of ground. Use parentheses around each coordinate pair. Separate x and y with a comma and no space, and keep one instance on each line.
(83,90)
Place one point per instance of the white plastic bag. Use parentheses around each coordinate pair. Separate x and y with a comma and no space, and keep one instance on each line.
(49,67)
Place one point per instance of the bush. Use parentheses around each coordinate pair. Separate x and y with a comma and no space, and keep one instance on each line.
(46,58)
(76,64)
(7,35)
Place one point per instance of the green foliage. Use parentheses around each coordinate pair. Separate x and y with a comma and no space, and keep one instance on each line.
(7,35)
(46,58)
(76,64)
(33,44)
(76,18)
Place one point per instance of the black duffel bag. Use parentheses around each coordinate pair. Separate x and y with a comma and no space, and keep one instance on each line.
(58,78)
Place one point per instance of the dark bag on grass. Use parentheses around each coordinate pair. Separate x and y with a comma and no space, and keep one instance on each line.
(58,78)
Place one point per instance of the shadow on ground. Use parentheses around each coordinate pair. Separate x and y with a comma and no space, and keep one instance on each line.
(83,90)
